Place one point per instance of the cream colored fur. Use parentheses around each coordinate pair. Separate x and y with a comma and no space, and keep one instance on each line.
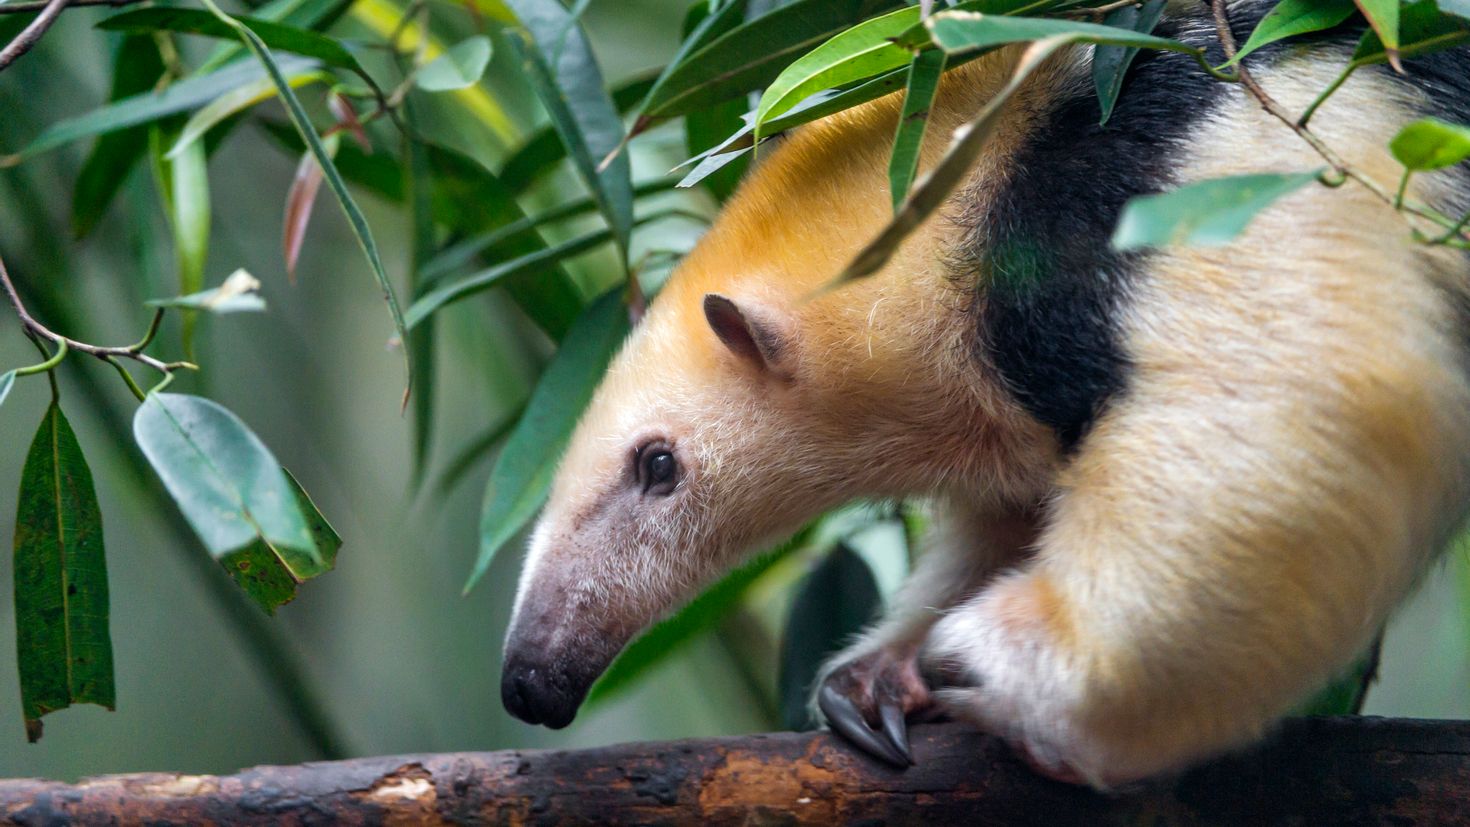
(1290,451)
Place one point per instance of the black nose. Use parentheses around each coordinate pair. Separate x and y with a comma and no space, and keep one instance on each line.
(530,695)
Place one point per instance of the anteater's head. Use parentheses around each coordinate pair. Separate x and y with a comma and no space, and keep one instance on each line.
(742,406)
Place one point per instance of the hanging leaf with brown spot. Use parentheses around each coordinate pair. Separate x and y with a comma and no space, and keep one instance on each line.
(63,644)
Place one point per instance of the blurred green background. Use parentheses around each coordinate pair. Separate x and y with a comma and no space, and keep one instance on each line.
(403,663)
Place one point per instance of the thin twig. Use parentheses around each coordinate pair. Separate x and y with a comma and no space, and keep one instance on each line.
(38,5)
(106,354)
(1341,169)
(32,33)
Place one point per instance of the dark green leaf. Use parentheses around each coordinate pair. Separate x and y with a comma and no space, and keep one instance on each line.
(1110,63)
(832,605)
(700,29)
(61,606)
(1295,17)
(1345,694)
(709,608)
(136,68)
(462,65)
(1422,30)
(417,173)
(859,52)
(959,31)
(1206,213)
(908,141)
(544,150)
(523,471)
(231,490)
(706,128)
(477,449)
(751,55)
(197,21)
(181,96)
(270,578)
(312,15)
(1429,143)
(355,218)
(567,79)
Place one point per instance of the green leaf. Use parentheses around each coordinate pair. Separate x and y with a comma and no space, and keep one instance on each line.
(1422,30)
(1344,695)
(136,68)
(417,173)
(753,54)
(461,65)
(908,141)
(271,579)
(959,31)
(477,449)
(312,15)
(197,21)
(354,214)
(1203,214)
(237,294)
(706,128)
(1110,63)
(862,51)
(1383,16)
(184,185)
(230,488)
(832,605)
(61,607)
(234,102)
(437,298)
(565,75)
(7,381)
(147,107)
(702,614)
(1291,18)
(540,153)
(523,471)
(1429,143)
(932,190)
(700,29)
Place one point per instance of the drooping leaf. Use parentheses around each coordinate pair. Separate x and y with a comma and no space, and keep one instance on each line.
(135,69)
(1205,213)
(522,475)
(276,35)
(61,604)
(237,294)
(862,51)
(833,603)
(958,32)
(702,614)
(462,65)
(1422,30)
(300,198)
(183,182)
(271,578)
(355,218)
(417,173)
(1291,18)
(234,102)
(1110,63)
(753,54)
(566,77)
(311,15)
(229,487)
(181,96)
(908,140)
(1430,143)
(705,128)
(541,152)
(701,27)
(7,381)
(1383,16)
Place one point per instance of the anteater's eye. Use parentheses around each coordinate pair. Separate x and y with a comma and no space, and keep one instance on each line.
(658,471)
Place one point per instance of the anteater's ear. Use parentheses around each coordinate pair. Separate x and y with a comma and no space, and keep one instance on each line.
(747,333)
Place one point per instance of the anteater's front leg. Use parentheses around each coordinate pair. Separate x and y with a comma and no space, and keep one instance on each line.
(868,690)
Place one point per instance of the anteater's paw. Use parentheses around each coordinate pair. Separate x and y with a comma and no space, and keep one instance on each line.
(868,698)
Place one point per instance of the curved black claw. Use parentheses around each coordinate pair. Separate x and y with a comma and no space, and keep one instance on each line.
(896,730)
(845,719)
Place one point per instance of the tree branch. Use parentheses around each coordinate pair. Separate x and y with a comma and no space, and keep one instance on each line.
(32,33)
(39,5)
(106,354)
(1314,771)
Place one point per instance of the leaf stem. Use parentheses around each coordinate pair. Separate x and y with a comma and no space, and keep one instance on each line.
(61,349)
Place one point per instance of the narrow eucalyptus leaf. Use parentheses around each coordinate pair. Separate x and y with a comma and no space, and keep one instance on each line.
(461,65)
(959,31)
(274,34)
(1383,16)
(1203,214)
(544,149)
(1110,63)
(522,474)
(1422,30)
(1291,18)
(913,120)
(236,101)
(63,643)
(136,68)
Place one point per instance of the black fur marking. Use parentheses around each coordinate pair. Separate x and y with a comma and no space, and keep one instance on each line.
(1048,306)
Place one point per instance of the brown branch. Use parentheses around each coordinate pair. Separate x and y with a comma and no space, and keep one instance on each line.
(106,354)
(32,33)
(1314,771)
(39,5)
(1341,169)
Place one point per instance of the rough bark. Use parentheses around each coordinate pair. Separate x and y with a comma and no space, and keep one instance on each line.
(1314,771)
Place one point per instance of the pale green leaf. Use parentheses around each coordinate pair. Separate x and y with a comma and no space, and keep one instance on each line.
(236,101)
(1205,213)
(462,65)
(237,294)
